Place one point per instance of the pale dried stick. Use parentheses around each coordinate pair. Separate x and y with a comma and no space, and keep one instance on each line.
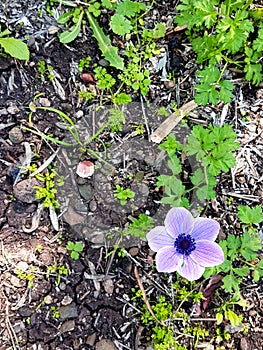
(167,126)
(136,274)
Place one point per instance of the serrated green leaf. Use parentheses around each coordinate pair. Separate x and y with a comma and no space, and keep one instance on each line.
(250,245)
(129,8)
(206,12)
(258,42)
(71,34)
(15,48)
(109,52)
(250,215)
(170,145)
(232,33)
(107,4)
(175,165)
(226,88)
(230,283)
(253,73)
(241,271)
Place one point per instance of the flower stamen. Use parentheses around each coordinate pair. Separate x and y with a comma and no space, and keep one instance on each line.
(184,244)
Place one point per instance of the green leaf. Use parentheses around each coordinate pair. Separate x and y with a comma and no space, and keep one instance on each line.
(206,12)
(250,215)
(234,32)
(70,245)
(219,318)
(107,4)
(170,145)
(15,48)
(139,227)
(74,255)
(258,271)
(250,245)
(241,271)
(129,8)
(233,318)
(71,34)
(253,73)
(233,245)
(258,43)
(121,99)
(78,247)
(175,165)
(108,51)
(230,283)
(120,25)
(65,17)
(226,88)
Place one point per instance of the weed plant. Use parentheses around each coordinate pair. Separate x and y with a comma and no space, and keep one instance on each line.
(213,150)
(224,35)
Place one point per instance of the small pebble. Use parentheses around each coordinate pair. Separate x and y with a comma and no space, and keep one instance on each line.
(105,344)
(44,102)
(16,135)
(66,300)
(67,326)
(12,110)
(22,265)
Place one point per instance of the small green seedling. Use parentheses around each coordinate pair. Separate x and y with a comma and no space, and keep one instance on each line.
(55,312)
(75,249)
(123,194)
(57,271)
(48,193)
(29,277)
(14,47)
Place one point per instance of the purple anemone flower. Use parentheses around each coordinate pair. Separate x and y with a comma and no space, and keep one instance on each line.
(185,244)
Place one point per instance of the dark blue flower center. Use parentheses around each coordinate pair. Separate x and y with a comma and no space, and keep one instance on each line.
(184,244)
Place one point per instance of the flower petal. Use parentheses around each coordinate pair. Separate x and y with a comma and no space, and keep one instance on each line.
(158,238)
(207,253)
(167,260)
(205,229)
(190,270)
(178,220)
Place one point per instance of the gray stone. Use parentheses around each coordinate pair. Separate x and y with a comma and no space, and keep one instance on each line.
(25,190)
(105,344)
(67,326)
(16,135)
(86,192)
(68,311)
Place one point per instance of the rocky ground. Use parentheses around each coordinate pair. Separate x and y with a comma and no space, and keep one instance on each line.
(57,302)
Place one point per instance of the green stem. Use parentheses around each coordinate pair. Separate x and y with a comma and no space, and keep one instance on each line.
(247,5)
(222,72)
(95,154)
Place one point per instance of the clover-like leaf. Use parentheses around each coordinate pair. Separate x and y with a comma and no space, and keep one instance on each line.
(120,25)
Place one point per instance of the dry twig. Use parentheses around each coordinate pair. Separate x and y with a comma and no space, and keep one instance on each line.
(167,126)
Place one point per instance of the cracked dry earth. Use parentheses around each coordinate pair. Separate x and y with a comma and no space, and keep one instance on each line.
(88,303)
